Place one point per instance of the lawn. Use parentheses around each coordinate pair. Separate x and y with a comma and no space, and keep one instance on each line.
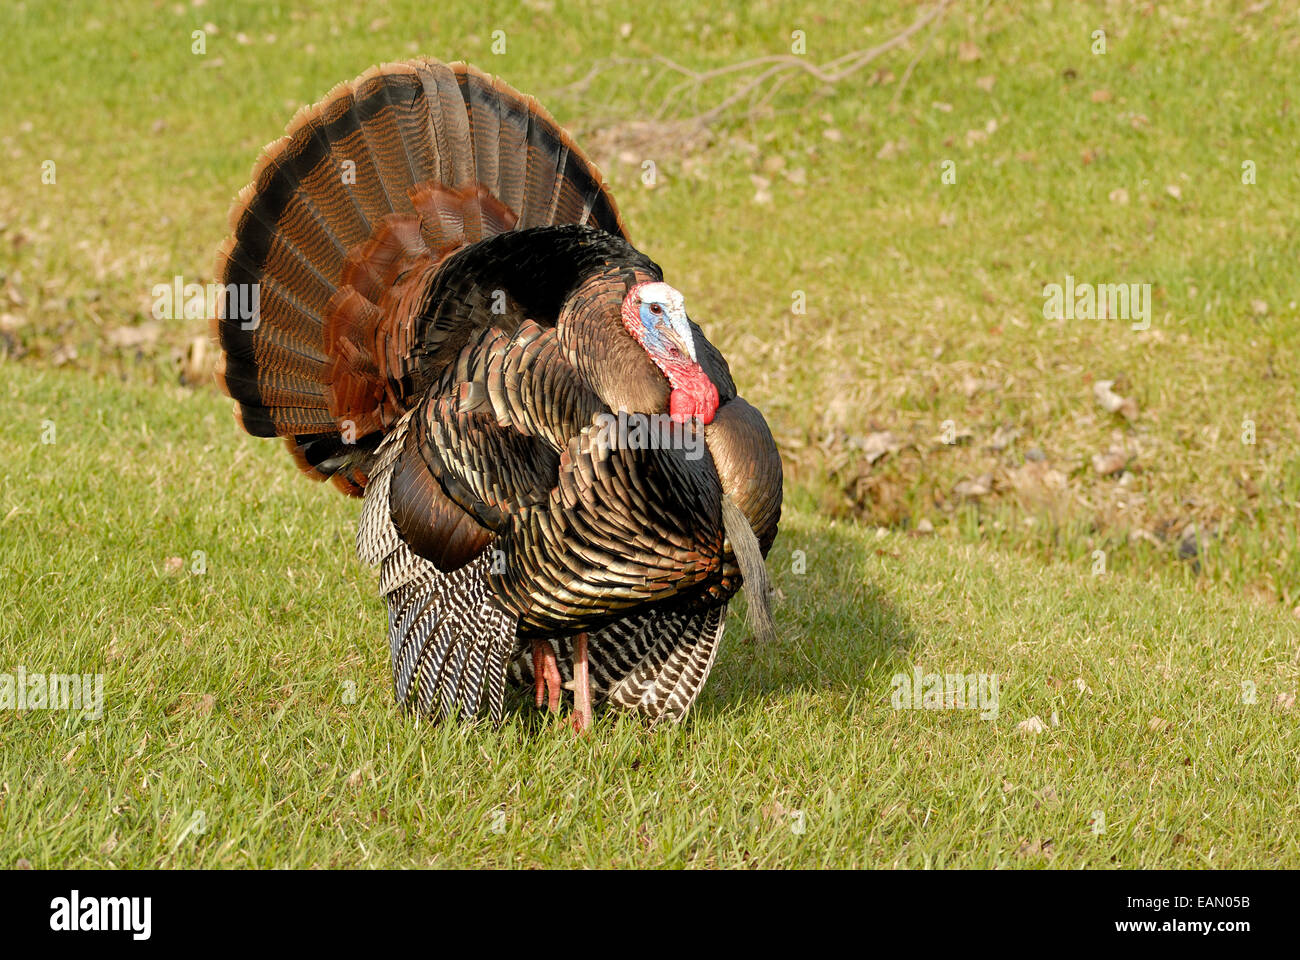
(964,495)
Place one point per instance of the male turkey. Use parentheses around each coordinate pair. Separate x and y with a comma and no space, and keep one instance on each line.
(452,322)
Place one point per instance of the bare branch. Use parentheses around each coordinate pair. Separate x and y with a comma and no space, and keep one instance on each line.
(778,69)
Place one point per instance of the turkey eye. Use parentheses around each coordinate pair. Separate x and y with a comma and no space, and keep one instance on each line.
(656,309)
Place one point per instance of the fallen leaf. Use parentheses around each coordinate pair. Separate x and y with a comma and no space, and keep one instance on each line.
(891,149)
(1038,848)
(127,338)
(1112,461)
(1002,438)
(1031,727)
(776,810)
(1112,402)
(973,489)
(958,439)
(1036,483)
(971,385)
(879,444)
(64,353)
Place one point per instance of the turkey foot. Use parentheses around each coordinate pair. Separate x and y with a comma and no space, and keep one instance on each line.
(546,675)
(581,686)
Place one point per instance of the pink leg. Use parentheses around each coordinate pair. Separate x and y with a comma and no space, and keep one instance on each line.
(546,675)
(581,686)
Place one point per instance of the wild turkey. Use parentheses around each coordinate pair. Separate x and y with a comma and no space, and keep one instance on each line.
(452,322)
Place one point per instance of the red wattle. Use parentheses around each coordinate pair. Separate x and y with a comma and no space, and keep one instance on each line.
(693,397)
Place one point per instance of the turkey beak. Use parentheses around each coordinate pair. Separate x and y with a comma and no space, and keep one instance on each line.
(679,335)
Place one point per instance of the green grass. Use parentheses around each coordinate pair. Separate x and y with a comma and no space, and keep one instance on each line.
(924,299)
(225,690)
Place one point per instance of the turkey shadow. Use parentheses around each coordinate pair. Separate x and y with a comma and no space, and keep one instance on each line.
(836,629)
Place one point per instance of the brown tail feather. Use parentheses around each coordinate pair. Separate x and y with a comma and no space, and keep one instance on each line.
(343,226)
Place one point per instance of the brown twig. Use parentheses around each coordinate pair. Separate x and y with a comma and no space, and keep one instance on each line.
(778,68)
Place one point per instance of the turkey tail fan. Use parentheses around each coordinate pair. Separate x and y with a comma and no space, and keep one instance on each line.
(343,226)
(749,557)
